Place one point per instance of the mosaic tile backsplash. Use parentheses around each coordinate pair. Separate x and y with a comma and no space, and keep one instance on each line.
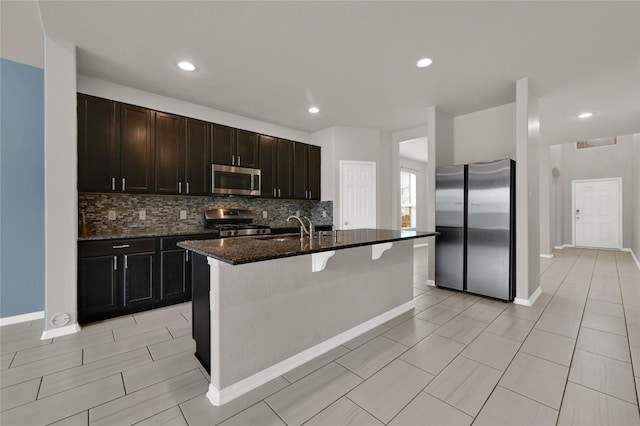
(163,212)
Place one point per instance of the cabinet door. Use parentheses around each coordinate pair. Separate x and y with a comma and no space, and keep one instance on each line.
(139,285)
(247,149)
(284,169)
(223,145)
(137,150)
(170,154)
(300,159)
(313,172)
(197,157)
(97,288)
(98,144)
(268,166)
(174,282)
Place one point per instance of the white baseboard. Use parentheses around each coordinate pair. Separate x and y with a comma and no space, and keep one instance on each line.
(547,256)
(21,318)
(432,283)
(563,246)
(531,300)
(221,396)
(61,331)
(635,259)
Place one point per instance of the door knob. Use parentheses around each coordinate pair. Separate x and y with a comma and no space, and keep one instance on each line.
(346,222)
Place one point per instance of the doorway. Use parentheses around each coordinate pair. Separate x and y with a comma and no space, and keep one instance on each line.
(357,194)
(597,213)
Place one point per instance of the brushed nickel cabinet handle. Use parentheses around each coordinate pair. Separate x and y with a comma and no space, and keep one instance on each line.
(187,187)
(121,246)
(113,184)
(124,183)
(179,187)
(115,263)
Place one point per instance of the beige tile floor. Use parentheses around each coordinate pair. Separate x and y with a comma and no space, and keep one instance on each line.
(457,359)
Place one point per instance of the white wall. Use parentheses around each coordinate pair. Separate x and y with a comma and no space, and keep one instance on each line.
(108,90)
(22,37)
(61,196)
(485,135)
(635,244)
(556,194)
(546,212)
(595,163)
(325,140)
(356,144)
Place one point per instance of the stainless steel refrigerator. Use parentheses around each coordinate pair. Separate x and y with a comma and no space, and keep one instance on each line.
(475,215)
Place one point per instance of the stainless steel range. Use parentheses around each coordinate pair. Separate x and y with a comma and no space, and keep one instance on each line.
(233,223)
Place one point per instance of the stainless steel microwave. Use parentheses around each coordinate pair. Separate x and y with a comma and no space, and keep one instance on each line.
(232,180)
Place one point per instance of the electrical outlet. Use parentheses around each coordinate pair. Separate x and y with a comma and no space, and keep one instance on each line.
(265,214)
(298,213)
(142,214)
(324,213)
(112,215)
(183,214)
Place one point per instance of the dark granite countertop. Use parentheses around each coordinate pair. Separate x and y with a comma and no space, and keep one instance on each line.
(239,250)
(144,233)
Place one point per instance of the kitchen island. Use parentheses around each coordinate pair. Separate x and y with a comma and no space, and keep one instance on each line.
(264,305)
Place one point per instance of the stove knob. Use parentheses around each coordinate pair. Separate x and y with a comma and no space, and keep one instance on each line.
(235,232)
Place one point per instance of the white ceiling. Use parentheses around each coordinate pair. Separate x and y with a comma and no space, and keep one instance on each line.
(356,60)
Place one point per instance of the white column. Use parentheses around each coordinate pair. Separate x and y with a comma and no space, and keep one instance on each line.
(440,146)
(527,194)
(61,197)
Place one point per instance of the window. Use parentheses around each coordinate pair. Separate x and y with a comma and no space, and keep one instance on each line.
(407,199)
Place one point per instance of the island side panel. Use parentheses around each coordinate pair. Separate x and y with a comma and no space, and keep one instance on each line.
(200,309)
(269,311)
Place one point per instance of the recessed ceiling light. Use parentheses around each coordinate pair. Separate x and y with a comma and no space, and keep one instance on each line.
(424,62)
(186,66)
(314,110)
(585,115)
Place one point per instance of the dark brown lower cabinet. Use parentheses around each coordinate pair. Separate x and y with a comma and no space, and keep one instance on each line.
(120,277)
(97,288)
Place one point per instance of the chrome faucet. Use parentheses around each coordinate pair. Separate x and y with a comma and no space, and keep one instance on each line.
(312,229)
(303,229)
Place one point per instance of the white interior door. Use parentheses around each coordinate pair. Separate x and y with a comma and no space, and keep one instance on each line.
(597,213)
(357,194)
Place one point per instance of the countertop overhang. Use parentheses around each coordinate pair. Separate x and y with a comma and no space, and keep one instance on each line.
(240,250)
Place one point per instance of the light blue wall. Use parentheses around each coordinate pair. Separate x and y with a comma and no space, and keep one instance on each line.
(22,236)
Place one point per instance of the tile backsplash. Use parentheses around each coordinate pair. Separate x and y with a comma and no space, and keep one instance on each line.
(162,213)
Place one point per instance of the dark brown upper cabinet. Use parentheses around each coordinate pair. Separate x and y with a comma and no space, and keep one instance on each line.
(116,151)
(183,147)
(276,167)
(197,157)
(170,153)
(235,147)
(137,149)
(98,144)
(306,171)
(268,164)
(125,148)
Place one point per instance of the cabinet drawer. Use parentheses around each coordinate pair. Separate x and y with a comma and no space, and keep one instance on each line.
(171,243)
(116,247)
